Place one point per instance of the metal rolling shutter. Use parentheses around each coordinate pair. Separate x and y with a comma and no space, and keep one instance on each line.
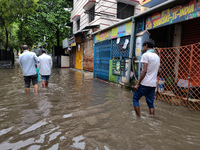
(190,32)
(102,58)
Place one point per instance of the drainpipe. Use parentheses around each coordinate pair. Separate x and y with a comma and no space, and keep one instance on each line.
(131,50)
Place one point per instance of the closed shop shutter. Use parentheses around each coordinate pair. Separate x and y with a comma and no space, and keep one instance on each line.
(79,56)
(190,32)
(101,59)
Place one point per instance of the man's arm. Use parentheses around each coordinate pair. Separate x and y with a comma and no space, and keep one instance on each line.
(36,59)
(143,74)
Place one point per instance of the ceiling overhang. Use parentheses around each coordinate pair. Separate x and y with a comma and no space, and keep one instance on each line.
(76,17)
(89,4)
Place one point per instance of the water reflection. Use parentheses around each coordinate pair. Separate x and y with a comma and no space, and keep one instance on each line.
(78,112)
(78,142)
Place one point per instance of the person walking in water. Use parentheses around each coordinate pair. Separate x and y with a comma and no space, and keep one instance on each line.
(45,66)
(146,85)
(27,62)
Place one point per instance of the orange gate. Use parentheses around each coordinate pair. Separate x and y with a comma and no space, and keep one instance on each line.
(179,79)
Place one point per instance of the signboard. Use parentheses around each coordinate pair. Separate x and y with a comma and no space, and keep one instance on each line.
(65,43)
(114,33)
(143,2)
(174,15)
(122,30)
(118,67)
(128,28)
(151,3)
(72,41)
(103,36)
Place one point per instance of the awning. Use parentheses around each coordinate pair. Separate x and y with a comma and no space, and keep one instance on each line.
(151,3)
(90,27)
(81,31)
(76,17)
(130,2)
(89,4)
(159,7)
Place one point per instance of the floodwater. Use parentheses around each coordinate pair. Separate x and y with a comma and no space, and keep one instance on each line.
(78,112)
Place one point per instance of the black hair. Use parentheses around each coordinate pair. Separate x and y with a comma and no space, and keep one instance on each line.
(24,47)
(150,43)
(43,51)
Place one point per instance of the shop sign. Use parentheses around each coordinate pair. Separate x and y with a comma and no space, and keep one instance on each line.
(174,15)
(71,41)
(120,31)
(118,67)
(103,36)
(143,2)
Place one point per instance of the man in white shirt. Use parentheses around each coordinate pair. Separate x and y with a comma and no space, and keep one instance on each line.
(45,65)
(27,62)
(147,83)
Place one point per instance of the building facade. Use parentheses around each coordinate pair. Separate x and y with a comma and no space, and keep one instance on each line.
(89,16)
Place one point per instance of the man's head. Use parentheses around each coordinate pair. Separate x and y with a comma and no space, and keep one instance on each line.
(25,47)
(43,51)
(148,44)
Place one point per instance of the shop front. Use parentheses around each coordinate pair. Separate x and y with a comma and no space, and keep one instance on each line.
(111,52)
(176,33)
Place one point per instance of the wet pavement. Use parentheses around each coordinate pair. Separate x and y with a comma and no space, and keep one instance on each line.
(78,112)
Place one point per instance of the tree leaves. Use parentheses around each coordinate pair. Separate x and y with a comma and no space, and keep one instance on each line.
(47,19)
(10,12)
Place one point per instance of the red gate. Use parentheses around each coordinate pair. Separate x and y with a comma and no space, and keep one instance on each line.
(179,80)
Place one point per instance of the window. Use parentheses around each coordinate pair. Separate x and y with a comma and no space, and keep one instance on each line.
(78,24)
(91,14)
(124,10)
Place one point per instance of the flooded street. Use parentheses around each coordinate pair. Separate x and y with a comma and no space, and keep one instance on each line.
(78,112)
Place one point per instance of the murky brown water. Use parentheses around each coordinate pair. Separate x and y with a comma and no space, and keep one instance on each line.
(78,112)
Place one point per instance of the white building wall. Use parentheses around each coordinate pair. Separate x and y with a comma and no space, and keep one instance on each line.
(107,8)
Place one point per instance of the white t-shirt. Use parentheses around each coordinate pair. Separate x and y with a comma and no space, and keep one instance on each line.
(45,64)
(153,61)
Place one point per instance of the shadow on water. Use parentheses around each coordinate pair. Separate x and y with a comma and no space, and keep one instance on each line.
(78,112)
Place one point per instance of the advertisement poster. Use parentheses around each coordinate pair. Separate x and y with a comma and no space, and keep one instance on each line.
(128,28)
(118,67)
(114,33)
(121,30)
(138,46)
(174,15)
(103,36)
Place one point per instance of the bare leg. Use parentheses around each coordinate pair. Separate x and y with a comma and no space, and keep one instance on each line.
(46,83)
(36,88)
(152,112)
(27,90)
(43,84)
(137,111)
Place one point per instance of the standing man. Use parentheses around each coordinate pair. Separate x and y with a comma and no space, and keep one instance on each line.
(27,62)
(45,66)
(147,83)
